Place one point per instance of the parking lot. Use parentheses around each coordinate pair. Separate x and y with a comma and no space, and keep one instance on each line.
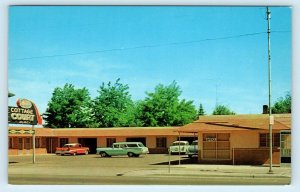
(149,169)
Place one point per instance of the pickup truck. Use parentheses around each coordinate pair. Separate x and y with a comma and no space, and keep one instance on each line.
(192,150)
(179,147)
(72,149)
(132,149)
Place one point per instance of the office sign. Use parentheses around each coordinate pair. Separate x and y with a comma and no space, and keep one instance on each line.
(25,113)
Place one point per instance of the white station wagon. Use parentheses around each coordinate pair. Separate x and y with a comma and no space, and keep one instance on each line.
(177,146)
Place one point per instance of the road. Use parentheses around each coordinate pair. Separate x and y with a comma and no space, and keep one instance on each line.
(148,170)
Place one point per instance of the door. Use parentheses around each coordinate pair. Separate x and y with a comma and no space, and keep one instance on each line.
(20,146)
(285,146)
(27,145)
(91,143)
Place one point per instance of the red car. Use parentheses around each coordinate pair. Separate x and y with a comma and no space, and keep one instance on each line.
(72,149)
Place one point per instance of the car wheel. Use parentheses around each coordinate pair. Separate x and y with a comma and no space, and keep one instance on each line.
(190,156)
(130,154)
(103,154)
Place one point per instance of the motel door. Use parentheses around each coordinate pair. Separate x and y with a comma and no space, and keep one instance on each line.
(27,145)
(216,146)
(285,146)
(20,146)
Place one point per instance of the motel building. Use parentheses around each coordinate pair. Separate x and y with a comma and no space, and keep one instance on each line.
(222,139)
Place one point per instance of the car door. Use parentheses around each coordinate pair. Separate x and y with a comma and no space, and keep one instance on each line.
(123,149)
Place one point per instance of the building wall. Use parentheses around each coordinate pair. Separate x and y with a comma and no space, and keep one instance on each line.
(15,146)
(245,150)
(244,139)
(255,156)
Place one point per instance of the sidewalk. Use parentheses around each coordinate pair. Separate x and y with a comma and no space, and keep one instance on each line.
(215,171)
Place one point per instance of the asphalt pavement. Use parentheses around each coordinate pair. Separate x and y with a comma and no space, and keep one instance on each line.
(147,170)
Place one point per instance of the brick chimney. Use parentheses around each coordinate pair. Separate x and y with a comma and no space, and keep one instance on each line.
(265,109)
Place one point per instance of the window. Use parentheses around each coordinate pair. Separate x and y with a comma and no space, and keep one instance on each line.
(161,142)
(132,145)
(63,141)
(264,140)
(216,146)
(110,141)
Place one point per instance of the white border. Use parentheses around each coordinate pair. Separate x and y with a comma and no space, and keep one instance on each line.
(90,188)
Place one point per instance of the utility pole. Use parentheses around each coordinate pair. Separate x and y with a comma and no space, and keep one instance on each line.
(271,120)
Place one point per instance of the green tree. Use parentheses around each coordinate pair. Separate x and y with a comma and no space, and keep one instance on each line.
(114,107)
(69,107)
(163,108)
(201,111)
(222,110)
(283,105)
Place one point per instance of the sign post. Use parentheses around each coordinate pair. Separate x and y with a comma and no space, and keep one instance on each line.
(25,113)
(33,145)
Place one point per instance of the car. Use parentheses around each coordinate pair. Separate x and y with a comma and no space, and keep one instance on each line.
(131,149)
(72,149)
(192,150)
(176,145)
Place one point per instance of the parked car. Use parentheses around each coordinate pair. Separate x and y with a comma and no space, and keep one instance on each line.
(179,146)
(192,150)
(72,149)
(132,149)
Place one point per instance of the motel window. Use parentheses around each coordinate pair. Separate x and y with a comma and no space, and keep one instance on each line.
(27,143)
(264,140)
(110,141)
(63,141)
(161,142)
(10,143)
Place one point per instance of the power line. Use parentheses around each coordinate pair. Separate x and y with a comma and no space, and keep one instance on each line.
(142,46)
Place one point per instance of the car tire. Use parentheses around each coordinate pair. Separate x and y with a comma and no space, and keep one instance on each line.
(130,154)
(103,154)
(190,156)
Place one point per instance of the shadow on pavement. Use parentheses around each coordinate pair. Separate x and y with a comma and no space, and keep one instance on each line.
(176,162)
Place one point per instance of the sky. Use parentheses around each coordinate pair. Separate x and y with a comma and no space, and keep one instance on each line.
(217,55)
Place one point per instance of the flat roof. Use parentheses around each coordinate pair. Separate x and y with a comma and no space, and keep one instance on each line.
(237,123)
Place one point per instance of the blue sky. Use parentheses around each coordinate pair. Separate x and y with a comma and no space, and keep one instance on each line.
(145,46)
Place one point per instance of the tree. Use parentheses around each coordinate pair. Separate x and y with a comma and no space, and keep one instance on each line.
(201,111)
(222,110)
(283,105)
(163,108)
(114,107)
(69,107)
